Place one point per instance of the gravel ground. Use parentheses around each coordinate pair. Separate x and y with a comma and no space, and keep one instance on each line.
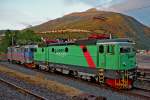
(111,95)
(34,88)
(9,93)
(139,92)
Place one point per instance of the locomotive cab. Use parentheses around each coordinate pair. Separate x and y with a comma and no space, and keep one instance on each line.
(116,54)
(117,58)
(28,53)
(127,56)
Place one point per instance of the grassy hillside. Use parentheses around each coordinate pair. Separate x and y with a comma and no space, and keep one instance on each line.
(117,24)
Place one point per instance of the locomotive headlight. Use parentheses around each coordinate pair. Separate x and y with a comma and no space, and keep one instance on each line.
(124,64)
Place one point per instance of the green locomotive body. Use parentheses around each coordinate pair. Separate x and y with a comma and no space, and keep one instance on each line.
(102,54)
(98,57)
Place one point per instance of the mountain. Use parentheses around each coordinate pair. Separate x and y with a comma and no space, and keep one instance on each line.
(94,21)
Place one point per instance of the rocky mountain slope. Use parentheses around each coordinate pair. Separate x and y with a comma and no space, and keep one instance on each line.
(95,21)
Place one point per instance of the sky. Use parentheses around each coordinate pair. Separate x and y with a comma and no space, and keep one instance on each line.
(19,14)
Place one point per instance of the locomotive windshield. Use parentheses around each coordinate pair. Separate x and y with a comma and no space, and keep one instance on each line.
(33,49)
(125,49)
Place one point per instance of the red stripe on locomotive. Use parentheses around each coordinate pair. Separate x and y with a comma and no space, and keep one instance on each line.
(88,57)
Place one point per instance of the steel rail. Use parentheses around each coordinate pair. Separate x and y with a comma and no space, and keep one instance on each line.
(23,90)
(125,92)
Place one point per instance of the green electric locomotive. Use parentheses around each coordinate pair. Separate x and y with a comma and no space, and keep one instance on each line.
(110,61)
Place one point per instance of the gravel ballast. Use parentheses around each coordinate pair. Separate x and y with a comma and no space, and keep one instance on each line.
(9,93)
(49,95)
(109,94)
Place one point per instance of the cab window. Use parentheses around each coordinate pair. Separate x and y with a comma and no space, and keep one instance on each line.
(42,49)
(101,49)
(32,49)
(35,49)
(26,49)
(84,49)
(66,49)
(110,49)
(124,50)
(133,49)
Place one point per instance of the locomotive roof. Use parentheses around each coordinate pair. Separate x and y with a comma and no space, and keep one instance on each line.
(116,40)
(121,40)
(92,42)
(78,42)
(24,46)
(61,43)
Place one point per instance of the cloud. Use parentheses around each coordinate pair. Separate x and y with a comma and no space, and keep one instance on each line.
(75,7)
(127,5)
(33,12)
(88,2)
(18,14)
(11,18)
(139,9)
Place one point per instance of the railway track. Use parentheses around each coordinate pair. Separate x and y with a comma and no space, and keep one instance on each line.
(22,90)
(124,92)
(141,89)
(144,71)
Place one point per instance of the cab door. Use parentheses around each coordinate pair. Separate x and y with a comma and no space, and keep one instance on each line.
(102,56)
(47,54)
(110,56)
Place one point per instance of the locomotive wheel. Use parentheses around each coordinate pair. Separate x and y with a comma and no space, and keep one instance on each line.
(52,69)
(73,73)
(19,63)
(92,79)
(36,66)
